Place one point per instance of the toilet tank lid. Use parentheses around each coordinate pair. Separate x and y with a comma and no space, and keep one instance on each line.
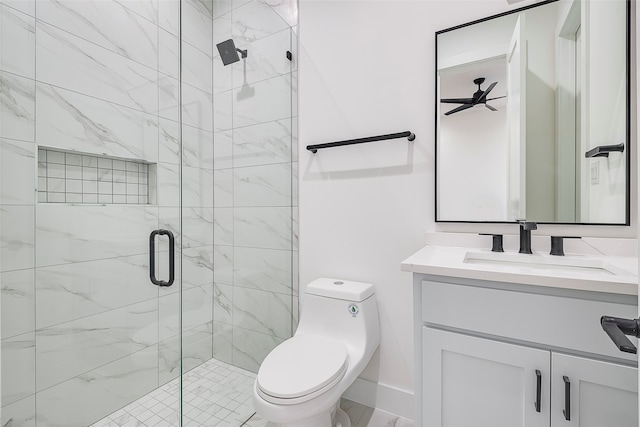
(340,289)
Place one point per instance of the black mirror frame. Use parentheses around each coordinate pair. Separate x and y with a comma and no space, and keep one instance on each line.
(628,146)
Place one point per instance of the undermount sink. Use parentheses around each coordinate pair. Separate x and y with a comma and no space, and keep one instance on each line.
(546,262)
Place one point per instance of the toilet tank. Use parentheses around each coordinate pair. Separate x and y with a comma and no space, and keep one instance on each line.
(340,289)
(343,310)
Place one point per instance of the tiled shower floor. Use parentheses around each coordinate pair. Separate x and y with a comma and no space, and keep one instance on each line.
(217,394)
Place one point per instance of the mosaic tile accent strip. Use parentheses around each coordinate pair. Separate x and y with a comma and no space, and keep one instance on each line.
(68,177)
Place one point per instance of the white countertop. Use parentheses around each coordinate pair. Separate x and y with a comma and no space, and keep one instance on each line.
(596,273)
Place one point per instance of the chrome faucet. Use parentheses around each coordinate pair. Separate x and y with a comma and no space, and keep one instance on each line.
(525,235)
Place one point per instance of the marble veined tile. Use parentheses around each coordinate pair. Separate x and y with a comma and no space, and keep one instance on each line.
(18,302)
(106,23)
(250,348)
(17,107)
(286,9)
(169,142)
(148,9)
(223,226)
(71,291)
(223,303)
(70,62)
(17,237)
(197,346)
(223,111)
(263,227)
(27,7)
(17,177)
(169,53)
(249,101)
(72,121)
(71,349)
(168,185)
(18,367)
(197,310)
(17,42)
(223,342)
(261,311)
(197,68)
(268,185)
(262,144)
(263,269)
(223,150)
(294,183)
(86,398)
(223,188)
(223,264)
(169,15)
(197,225)
(75,233)
(221,7)
(19,414)
(197,266)
(254,21)
(197,147)
(197,26)
(197,187)
(197,108)
(267,59)
(168,98)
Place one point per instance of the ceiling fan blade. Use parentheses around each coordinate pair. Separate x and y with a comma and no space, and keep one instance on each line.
(456,100)
(483,97)
(497,97)
(490,107)
(460,108)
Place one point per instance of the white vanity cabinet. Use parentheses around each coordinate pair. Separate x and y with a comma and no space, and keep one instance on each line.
(492,354)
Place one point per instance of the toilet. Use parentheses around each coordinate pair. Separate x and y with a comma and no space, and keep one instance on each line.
(299,383)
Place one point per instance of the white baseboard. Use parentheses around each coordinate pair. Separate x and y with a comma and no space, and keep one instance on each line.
(381,396)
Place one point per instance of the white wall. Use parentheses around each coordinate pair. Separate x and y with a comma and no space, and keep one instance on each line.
(367,68)
(474,141)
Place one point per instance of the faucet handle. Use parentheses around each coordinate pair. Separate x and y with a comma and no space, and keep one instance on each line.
(496,240)
(557,246)
(527,225)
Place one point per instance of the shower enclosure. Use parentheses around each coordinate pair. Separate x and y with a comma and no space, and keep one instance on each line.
(126,142)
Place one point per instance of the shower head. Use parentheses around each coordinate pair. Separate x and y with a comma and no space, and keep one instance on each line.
(229,52)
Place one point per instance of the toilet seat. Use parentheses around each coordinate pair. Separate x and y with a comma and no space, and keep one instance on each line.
(301,368)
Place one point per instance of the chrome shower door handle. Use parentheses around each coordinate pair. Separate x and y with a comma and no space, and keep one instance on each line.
(152,260)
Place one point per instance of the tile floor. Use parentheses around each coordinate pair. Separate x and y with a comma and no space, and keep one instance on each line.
(217,394)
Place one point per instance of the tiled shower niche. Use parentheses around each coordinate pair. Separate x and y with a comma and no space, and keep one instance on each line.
(71,177)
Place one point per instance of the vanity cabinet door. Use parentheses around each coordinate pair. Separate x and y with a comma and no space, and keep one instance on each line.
(599,393)
(477,382)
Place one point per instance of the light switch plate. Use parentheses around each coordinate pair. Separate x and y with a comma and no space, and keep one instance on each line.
(595,173)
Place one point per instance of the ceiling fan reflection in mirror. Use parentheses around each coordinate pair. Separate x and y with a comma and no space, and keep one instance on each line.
(479,97)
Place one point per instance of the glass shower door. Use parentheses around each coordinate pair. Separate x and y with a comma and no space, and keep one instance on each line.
(90,167)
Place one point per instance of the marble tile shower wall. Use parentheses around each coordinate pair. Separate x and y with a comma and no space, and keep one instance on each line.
(255,176)
(83,331)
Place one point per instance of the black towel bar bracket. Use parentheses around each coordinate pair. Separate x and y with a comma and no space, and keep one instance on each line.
(407,134)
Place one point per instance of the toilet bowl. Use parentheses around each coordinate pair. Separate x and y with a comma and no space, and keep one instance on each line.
(299,384)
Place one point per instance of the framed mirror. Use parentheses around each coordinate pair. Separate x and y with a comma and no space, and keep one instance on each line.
(533,115)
